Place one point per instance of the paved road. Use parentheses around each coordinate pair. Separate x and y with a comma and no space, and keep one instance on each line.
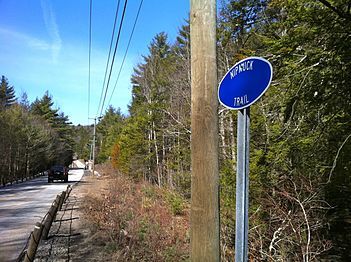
(21,206)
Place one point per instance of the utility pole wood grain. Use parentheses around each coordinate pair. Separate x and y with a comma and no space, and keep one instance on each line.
(204,218)
(94,139)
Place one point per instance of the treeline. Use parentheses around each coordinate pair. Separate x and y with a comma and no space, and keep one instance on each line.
(32,136)
(300,130)
(83,137)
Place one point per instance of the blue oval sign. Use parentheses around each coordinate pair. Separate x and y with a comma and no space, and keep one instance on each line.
(245,83)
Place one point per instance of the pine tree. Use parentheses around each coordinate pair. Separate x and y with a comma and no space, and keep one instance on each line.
(7,93)
(62,142)
(108,130)
(43,108)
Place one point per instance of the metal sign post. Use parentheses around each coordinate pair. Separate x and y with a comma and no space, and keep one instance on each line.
(242,186)
(241,87)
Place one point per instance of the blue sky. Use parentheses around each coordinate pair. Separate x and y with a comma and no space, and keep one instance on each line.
(44,46)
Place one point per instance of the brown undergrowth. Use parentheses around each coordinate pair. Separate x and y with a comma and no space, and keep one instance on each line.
(136,221)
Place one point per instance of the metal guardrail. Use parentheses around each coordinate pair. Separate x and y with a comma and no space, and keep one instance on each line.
(41,229)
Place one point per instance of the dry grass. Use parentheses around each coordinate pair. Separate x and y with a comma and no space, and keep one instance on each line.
(137,221)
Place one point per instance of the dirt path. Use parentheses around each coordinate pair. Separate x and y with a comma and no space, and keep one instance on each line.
(70,238)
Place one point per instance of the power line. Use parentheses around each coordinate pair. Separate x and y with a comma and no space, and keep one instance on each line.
(114,54)
(91,4)
(125,54)
(109,54)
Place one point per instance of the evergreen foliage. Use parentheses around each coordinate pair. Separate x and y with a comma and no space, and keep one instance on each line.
(7,93)
(82,145)
(32,137)
(108,129)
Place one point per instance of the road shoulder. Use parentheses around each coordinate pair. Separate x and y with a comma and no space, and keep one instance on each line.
(70,238)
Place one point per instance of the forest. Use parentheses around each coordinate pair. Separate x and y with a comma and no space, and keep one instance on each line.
(33,136)
(300,150)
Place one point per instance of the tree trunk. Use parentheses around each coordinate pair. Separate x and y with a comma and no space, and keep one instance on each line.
(9,165)
(149,150)
(232,138)
(159,175)
(222,135)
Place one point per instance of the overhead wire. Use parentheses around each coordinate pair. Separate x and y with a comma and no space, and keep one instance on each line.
(90,12)
(125,54)
(109,54)
(114,54)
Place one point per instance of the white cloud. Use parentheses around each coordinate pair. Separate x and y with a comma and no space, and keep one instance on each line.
(13,37)
(52,28)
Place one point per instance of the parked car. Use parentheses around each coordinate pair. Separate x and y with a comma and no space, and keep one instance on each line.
(58,172)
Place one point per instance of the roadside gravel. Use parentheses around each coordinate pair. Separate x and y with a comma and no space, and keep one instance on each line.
(70,239)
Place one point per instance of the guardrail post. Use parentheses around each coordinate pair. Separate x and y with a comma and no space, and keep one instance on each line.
(62,199)
(68,191)
(49,219)
(34,242)
(57,200)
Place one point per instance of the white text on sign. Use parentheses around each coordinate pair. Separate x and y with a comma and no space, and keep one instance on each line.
(242,67)
(241,100)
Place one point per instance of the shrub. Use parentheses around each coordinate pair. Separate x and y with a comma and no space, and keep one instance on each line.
(138,221)
(176,203)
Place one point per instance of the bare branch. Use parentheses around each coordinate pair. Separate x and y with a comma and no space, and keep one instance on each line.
(336,157)
(176,120)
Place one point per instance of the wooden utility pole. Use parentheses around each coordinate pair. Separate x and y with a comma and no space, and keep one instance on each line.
(204,217)
(93,145)
(94,140)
